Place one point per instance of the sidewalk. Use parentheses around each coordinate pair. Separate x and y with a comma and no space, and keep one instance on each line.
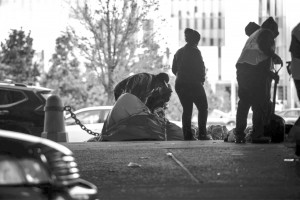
(189,170)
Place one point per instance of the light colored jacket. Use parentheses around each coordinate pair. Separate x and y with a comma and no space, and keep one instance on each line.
(252,54)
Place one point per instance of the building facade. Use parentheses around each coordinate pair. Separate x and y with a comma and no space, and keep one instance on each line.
(221,24)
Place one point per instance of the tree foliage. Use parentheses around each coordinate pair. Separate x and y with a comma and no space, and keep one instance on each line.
(64,75)
(16,58)
(111,41)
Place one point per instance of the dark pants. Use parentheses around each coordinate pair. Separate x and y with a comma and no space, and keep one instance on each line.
(188,95)
(297,85)
(254,91)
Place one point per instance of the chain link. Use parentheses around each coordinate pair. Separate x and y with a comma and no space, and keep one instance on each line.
(77,121)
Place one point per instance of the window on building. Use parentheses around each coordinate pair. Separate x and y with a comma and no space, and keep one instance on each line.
(196,23)
(203,40)
(282,92)
(219,20)
(211,20)
(268,7)
(179,20)
(203,20)
(180,23)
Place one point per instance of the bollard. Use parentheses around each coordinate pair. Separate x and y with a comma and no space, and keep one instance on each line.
(54,123)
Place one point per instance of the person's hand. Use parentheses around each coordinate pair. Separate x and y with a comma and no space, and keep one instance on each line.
(277,60)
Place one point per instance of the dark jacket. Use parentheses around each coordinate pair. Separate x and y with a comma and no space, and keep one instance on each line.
(266,43)
(295,47)
(188,65)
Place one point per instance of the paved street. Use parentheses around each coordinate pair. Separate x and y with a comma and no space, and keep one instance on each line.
(189,170)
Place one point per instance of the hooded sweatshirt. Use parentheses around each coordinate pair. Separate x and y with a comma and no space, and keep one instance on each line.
(188,65)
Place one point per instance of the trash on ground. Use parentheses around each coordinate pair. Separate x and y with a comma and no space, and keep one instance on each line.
(291,160)
(144,157)
(134,165)
(169,154)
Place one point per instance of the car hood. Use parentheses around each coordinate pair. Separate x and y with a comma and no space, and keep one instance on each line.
(27,141)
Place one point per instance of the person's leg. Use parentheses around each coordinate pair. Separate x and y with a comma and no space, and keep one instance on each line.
(244,79)
(241,120)
(200,101)
(297,85)
(261,107)
(187,106)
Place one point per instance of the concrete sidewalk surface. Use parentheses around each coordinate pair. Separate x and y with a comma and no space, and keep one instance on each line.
(189,170)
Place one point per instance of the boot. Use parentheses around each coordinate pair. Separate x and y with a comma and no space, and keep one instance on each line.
(204,137)
(261,140)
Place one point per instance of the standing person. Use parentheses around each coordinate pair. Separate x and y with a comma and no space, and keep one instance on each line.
(254,76)
(295,55)
(295,71)
(189,68)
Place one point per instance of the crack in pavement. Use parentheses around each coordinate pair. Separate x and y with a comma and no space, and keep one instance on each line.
(171,155)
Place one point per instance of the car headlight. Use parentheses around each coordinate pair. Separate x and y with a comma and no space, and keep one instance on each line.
(21,171)
(10,173)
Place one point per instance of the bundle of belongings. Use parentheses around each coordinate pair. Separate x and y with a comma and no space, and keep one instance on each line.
(231,135)
(139,111)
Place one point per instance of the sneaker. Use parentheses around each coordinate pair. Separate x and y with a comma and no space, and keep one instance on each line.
(240,140)
(205,137)
(261,140)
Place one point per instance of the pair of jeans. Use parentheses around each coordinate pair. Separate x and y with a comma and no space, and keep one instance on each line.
(190,94)
(253,91)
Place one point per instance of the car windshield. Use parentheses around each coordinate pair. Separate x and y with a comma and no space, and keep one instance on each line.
(22,171)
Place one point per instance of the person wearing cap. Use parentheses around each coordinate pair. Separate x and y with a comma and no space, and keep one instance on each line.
(190,71)
(254,76)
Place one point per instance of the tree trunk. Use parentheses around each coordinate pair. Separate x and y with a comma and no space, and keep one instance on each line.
(110,87)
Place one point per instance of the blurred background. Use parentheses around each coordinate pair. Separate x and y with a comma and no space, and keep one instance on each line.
(82,49)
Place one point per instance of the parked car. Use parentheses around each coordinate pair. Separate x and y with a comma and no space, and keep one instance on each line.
(91,117)
(36,168)
(218,117)
(289,115)
(22,107)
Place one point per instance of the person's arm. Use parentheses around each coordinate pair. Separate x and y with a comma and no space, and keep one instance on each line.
(266,44)
(203,69)
(175,64)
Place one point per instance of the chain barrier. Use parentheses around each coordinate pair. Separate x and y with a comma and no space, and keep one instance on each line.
(77,121)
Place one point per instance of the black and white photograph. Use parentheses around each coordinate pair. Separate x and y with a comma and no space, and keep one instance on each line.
(149,99)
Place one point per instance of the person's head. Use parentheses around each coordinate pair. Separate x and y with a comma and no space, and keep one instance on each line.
(251,28)
(271,25)
(191,36)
